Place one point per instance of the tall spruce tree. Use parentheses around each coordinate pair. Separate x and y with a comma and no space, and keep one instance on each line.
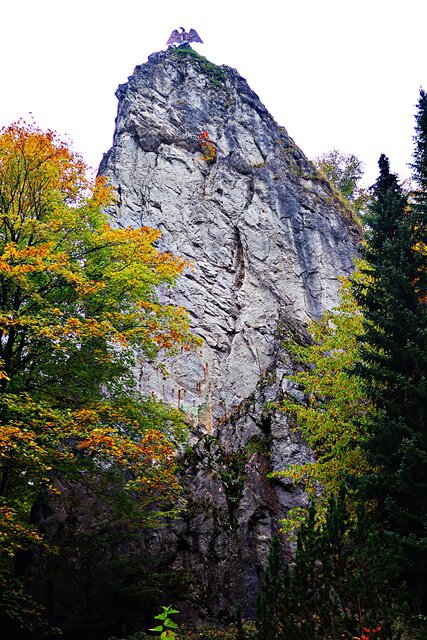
(393,363)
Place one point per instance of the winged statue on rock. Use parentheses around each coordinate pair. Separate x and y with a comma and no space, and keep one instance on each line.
(183,37)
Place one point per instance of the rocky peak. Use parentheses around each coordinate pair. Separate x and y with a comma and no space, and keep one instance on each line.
(265,235)
(268,240)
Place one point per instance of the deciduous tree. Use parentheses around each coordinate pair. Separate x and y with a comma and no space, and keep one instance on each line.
(345,172)
(78,305)
(328,404)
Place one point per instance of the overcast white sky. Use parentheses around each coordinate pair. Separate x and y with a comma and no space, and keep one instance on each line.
(335,73)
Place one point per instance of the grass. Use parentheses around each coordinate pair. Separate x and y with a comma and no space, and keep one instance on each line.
(215,74)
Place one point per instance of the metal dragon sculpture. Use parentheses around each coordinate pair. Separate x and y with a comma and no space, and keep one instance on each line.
(178,39)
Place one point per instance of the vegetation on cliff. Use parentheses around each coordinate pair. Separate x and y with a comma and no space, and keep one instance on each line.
(344,172)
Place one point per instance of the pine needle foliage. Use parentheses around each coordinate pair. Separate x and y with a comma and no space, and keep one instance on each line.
(393,364)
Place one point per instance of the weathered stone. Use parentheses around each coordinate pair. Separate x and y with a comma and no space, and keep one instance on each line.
(268,242)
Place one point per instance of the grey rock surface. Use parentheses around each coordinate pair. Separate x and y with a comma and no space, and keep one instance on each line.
(268,241)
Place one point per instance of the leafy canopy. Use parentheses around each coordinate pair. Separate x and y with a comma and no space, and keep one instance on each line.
(78,305)
(345,172)
(328,404)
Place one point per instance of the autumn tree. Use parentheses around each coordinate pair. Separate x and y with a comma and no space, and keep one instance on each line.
(327,404)
(78,305)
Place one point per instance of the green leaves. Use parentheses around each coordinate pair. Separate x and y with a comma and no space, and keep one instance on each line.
(331,409)
(165,629)
(78,305)
(344,171)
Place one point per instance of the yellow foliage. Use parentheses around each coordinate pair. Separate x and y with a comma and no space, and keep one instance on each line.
(77,302)
(331,415)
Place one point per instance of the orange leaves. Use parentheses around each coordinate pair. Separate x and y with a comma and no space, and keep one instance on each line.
(15,261)
(68,275)
(150,450)
(18,535)
(102,193)
(38,172)
(366,633)
(207,147)
(39,440)
(134,248)
(167,326)
(115,438)
(78,300)
(3,375)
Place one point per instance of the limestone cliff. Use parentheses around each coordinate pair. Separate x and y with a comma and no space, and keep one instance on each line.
(267,240)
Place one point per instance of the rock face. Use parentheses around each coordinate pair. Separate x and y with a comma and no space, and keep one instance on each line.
(267,240)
